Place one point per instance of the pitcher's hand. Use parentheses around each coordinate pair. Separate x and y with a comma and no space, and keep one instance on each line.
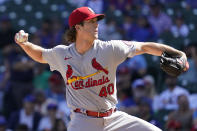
(21,37)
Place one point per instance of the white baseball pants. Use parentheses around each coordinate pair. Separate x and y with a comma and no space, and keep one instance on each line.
(118,121)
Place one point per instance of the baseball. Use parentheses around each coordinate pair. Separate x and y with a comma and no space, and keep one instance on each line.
(21,36)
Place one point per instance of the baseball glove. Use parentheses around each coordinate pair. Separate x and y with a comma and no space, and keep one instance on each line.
(173,66)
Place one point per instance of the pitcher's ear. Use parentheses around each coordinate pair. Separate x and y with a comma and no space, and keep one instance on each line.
(77,27)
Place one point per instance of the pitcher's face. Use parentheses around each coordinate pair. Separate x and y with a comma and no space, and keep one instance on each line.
(89,29)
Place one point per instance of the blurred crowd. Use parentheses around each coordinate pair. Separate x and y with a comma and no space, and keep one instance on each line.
(33,99)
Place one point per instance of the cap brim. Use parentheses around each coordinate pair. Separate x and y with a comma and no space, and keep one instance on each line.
(99,16)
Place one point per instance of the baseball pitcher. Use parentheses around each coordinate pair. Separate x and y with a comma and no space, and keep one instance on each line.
(88,67)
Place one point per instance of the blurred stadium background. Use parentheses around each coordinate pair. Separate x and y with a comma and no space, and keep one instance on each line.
(32,98)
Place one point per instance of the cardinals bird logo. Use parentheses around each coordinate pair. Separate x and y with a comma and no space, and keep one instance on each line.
(95,64)
(98,66)
(69,72)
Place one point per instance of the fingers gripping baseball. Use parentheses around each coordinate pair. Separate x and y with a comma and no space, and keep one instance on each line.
(21,37)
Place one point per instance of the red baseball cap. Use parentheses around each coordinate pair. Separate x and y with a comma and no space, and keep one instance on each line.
(83,13)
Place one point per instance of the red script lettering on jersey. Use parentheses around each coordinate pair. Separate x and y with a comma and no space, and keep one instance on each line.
(66,58)
(89,83)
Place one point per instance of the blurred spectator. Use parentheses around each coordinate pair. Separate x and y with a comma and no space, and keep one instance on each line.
(49,120)
(102,28)
(64,112)
(123,77)
(180,29)
(123,86)
(138,66)
(25,115)
(58,31)
(127,25)
(112,14)
(168,98)
(129,104)
(34,38)
(97,5)
(150,86)
(45,34)
(7,32)
(143,6)
(41,76)
(3,123)
(59,125)
(21,73)
(182,118)
(158,19)
(151,91)
(20,66)
(139,89)
(56,88)
(143,31)
(123,95)
(189,77)
(146,112)
(129,10)
(111,31)
(40,101)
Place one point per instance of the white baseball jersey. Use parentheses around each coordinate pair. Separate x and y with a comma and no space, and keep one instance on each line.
(90,78)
